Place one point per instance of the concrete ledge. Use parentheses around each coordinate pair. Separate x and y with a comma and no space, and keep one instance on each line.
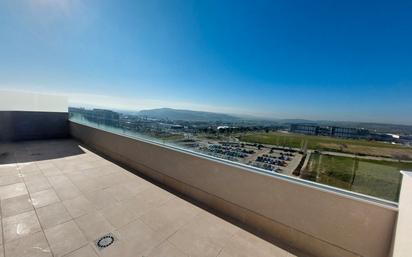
(27,125)
(316,221)
(403,239)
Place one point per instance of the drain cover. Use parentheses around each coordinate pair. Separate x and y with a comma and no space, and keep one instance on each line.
(105,241)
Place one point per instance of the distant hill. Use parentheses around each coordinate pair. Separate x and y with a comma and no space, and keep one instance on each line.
(186,115)
(199,116)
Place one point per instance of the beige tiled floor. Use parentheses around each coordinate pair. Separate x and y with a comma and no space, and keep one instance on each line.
(58,198)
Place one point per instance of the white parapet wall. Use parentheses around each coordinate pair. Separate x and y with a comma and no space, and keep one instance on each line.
(403,236)
(32,102)
(32,116)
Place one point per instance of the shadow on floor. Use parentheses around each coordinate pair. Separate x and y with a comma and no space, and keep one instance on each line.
(38,150)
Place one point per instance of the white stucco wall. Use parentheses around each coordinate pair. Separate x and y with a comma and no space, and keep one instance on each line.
(25,101)
(403,236)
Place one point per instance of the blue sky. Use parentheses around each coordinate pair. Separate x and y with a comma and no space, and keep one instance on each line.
(335,60)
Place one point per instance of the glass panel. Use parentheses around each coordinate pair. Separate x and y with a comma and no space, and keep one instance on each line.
(348,158)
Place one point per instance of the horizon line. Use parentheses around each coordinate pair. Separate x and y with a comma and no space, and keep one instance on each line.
(244,116)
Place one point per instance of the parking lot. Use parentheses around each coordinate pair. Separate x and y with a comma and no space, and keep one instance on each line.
(274,159)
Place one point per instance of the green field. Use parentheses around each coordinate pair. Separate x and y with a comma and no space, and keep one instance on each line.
(353,146)
(372,177)
(169,137)
(314,142)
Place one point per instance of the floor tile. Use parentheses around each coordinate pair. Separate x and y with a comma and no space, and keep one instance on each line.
(204,236)
(8,169)
(34,245)
(110,168)
(146,201)
(244,244)
(79,206)
(10,179)
(52,215)
(139,236)
(49,172)
(169,217)
(29,167)
(85,251)
(86,184)
(20,225)
(75,175)
(100,199)
(9,172)
(44,198)
(33,176)
(82,165)
(93,173)
(59,181)
(65,238)
(94,225)
(119,192)
(44,165)
(165,249)
(134,240)
(37,185)
(118,215)
(16,205)
(12,190)
(67,192)
(136,185)
(112,180)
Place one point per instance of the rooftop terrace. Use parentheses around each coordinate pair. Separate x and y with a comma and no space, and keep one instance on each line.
(58,198)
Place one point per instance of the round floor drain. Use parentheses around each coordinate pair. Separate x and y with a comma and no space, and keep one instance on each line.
(105,241)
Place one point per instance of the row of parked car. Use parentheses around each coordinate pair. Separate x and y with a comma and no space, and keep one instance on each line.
(227,151)
(273,161)
(267,166)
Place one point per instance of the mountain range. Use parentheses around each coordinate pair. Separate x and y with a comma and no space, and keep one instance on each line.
(186,115)
(201,116)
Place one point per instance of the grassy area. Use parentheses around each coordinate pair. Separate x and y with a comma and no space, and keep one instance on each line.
(168,137)
(372,177)
(330,144)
